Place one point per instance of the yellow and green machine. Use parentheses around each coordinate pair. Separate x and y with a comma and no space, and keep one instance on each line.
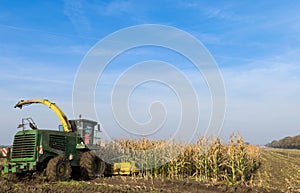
(60,153)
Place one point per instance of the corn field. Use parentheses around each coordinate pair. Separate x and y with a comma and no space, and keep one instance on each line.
(208,160)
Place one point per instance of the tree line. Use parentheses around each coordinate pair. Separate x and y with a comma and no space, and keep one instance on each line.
(286,143)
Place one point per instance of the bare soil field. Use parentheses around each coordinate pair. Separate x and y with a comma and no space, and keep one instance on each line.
(124,184)
(280,169)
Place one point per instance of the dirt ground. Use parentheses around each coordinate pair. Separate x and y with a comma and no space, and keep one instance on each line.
(123,184)
(280,168)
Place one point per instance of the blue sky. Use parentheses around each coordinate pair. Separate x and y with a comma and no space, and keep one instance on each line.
(256,45)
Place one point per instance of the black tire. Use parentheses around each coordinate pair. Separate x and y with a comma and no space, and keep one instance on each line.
(91,166)
(58,169)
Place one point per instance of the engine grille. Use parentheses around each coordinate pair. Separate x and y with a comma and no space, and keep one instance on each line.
(58,142)
(24,146)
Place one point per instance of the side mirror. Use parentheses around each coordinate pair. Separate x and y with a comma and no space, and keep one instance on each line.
(99,127)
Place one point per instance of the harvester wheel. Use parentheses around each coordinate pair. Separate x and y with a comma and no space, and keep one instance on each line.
(91,166)
(58,169)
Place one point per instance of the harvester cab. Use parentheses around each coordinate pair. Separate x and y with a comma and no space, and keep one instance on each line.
(89,130)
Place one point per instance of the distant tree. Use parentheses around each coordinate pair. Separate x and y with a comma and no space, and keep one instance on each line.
(286,143)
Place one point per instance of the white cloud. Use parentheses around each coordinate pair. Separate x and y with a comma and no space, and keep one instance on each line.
(116,8)
(76,13)
(32,79)
(263,98)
